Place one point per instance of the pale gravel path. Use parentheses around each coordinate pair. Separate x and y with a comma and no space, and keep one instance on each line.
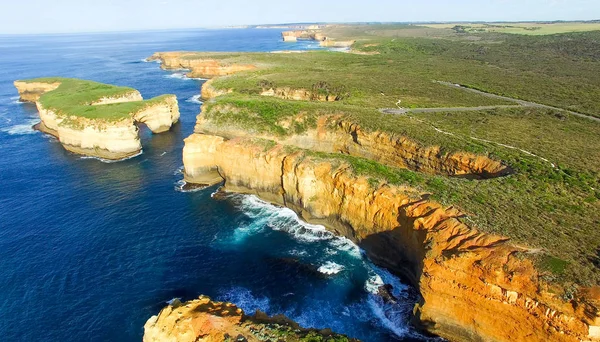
(519,103)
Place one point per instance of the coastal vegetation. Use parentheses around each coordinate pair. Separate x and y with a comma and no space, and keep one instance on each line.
(549,203)
(76,97)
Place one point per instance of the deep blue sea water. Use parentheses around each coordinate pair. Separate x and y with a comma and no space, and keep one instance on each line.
(90,250)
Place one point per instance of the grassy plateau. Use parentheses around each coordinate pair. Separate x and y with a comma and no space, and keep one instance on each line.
(74,97)
(551,202)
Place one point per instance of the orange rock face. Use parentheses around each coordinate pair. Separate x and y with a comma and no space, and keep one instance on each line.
(202,68)
(205,320)
(473,286)
(334,135)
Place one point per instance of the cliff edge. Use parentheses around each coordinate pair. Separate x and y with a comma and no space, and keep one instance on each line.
(467,279)
(495,229)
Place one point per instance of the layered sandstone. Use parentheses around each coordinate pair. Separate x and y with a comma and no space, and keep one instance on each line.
(334,134)
(199,67)
(473,286)
(207,91)
(301,94)
(205,320)
(160,116)
(293,36)
(107,139)
(31,91)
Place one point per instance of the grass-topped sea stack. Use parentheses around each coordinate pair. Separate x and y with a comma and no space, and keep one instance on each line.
(96,119)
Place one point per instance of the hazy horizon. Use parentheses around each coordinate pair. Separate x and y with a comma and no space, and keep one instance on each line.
(70,16)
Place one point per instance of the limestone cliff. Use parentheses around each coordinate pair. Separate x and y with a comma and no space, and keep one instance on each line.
(288,93)
(31,91)
(473,286)
(206,320)
(335,134)
(199,68)
(293,36)
(208,92)
(113,139)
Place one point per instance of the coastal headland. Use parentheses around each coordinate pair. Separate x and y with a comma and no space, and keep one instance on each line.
(96,119)
(203,319)
(491,213)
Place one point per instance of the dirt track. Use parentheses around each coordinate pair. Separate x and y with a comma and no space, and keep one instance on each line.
(519,103)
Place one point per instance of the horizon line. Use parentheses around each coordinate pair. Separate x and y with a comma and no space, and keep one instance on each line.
(249,26)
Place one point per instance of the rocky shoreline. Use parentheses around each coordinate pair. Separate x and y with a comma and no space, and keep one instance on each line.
(203,319)
(467,279)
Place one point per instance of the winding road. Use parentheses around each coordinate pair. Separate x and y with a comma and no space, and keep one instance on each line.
(519,103)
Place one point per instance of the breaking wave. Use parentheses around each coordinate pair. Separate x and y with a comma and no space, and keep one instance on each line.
(195,99)
(244,299)
(330,268)
(22,129)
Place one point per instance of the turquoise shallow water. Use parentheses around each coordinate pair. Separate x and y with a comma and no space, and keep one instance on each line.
(90,250)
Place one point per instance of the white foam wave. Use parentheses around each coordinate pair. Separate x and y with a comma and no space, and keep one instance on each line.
(183,186)
(178,75)
(182,75)
(298,253)
(110,161)
(179,171)
(373,283)
(244,299)
(195,99)
(346,245)
(173,300)
(392,317)
(330,268)
(16,100)
(22,129)
(283,219)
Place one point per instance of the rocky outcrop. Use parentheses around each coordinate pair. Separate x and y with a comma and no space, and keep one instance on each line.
(159,116)
(293,36)
(334,134)
(205,320)
(31,91)
(111,139)
(473,286)
(208,92)
(199,67)
(288,93)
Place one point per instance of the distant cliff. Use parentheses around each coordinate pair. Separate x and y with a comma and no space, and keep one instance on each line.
(199,68)
(95,119)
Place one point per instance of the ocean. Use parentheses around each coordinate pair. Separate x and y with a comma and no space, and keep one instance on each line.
(90,250)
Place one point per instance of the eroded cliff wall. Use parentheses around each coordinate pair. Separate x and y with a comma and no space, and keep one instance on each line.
(473,286)
(334,134)
(199,68)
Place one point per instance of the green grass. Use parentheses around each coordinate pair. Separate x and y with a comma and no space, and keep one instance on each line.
(556,209)
(74,98)
(521,28)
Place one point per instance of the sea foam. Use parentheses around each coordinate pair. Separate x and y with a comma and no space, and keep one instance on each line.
(330,268)
(22,129)
(195,99)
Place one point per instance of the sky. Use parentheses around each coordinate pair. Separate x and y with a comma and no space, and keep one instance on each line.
(58,16)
